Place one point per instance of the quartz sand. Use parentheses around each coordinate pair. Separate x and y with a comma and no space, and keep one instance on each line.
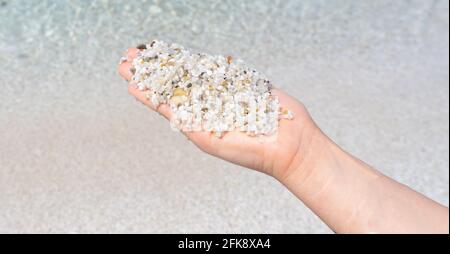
(206,92)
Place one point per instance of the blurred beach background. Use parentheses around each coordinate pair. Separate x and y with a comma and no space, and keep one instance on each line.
(79,155)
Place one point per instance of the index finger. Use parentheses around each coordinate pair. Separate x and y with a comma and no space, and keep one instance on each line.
(124,67)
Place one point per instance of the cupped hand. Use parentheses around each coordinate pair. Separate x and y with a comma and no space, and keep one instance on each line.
(275,155)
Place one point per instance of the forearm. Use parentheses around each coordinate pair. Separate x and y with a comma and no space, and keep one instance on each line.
(351,197)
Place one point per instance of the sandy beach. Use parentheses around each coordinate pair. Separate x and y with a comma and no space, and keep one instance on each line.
(79,155)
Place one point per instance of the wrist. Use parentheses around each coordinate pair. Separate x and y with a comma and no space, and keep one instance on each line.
(312,153)
(320,166)
(330,182)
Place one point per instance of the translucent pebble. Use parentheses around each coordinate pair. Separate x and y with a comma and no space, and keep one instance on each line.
(206,92)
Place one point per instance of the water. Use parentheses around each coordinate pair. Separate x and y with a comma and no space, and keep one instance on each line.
(77,154)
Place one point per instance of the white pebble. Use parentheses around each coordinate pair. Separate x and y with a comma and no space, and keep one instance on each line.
(205,92)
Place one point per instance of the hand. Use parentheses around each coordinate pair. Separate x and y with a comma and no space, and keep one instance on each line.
(344,192)
(275,155)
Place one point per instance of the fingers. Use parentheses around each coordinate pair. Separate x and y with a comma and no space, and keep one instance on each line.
(124,71)
(124,68)
(163,109)
(131,53)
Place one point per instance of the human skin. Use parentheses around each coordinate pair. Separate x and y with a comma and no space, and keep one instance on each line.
(347,194)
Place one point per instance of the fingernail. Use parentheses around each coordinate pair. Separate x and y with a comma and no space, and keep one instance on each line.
(123,60)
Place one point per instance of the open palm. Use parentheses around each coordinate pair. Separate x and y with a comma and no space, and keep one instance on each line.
(273,155)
